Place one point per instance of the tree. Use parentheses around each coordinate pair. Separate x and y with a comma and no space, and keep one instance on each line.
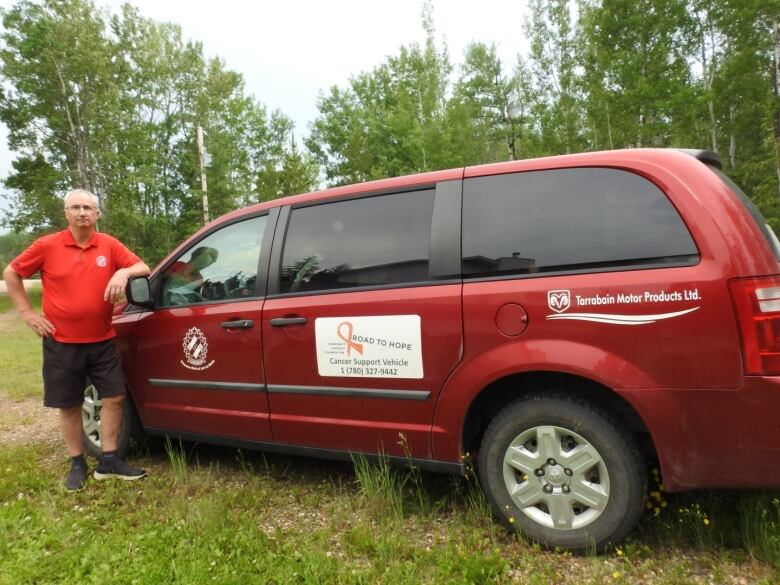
(13,244)
(740,82)
(552,32)
(390,121)
(112,105)
(284,169)
(480,110)
(56,56)
(637,76)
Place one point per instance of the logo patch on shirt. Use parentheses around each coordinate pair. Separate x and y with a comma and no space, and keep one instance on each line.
(101,261)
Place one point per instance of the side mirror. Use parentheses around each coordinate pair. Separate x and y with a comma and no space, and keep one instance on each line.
(138,292)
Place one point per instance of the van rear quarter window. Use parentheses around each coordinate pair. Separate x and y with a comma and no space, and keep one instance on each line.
(566,219)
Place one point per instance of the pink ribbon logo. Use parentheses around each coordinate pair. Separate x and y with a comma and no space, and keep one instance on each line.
(358,347)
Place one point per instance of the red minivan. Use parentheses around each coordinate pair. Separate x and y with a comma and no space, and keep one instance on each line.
(564,320)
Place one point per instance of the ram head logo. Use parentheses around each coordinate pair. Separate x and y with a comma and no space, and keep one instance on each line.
(558,300)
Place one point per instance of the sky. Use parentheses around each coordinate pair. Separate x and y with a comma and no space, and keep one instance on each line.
(289,51)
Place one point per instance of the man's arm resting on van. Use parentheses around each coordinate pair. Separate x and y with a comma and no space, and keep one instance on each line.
(116,286)
(34,320)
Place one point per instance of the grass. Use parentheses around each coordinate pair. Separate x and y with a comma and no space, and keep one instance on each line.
(216,514)
(34,294)
(224,523)
(746,522)
(381,488)
(244,517)
(387,491)
(177,459)
(20,348)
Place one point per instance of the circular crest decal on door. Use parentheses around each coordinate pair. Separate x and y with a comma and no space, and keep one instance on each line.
(196,349)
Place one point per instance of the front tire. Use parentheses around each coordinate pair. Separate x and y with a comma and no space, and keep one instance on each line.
(130,436)
(562,472)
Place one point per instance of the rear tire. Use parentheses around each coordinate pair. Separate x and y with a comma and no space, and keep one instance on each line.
(563,473)
(131,434)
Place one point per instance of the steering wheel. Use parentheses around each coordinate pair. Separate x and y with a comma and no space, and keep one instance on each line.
(212,291)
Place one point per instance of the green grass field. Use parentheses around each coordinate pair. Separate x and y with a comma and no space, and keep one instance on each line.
(209,514)
(20,352)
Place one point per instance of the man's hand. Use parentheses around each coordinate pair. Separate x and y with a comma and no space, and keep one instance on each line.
(116,286)
(37,322)
(34,320)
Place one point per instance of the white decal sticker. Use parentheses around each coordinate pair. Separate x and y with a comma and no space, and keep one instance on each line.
(561,300)
(101,261)
(369,347)
(558,300)
(196,350)
(619,319)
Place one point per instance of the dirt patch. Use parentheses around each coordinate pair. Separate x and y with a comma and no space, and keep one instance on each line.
(27,421)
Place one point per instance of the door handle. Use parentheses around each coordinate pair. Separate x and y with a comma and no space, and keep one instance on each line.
(238,324)
(283,321)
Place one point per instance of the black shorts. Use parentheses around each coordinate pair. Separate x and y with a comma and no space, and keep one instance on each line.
(66,367)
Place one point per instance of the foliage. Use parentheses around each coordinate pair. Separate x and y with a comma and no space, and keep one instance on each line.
(553,54)
(388,122)
(112,103)
(11,245)
(381,488)
(637,57)
(295,520)
(603,74)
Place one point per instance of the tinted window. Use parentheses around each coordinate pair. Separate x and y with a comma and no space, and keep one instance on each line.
(221,266)
(568,219)
(361,242)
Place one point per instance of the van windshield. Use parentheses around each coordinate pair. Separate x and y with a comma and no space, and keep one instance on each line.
(765,228)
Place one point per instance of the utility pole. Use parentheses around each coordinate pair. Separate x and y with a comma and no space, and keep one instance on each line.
(203,185)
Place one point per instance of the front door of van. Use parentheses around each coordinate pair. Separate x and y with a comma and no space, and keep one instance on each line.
(200,370)
(358,339)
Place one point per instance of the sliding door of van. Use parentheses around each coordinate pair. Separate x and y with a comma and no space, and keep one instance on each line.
(363,329)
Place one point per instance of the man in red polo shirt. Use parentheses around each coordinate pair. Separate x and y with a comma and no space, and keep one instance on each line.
(83,274)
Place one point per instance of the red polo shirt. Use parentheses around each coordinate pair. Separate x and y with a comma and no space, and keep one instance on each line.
(74,280)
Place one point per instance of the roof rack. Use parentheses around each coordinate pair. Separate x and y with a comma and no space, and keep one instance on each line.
(706,156)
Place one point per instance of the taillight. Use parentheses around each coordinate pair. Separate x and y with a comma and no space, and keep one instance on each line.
(757,302)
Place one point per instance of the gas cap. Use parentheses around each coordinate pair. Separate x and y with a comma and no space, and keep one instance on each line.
(511,319)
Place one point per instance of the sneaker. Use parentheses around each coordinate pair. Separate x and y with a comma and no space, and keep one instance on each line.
(120,470)
(76,478)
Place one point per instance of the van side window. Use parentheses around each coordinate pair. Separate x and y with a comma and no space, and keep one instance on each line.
(374,241)
(221,266)
(569,219)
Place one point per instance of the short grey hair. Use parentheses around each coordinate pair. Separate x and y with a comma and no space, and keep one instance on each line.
(95,200)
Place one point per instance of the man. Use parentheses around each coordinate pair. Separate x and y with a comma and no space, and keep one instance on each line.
(189,272)
(83,273)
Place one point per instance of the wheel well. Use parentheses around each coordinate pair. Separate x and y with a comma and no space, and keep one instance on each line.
(506,390)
